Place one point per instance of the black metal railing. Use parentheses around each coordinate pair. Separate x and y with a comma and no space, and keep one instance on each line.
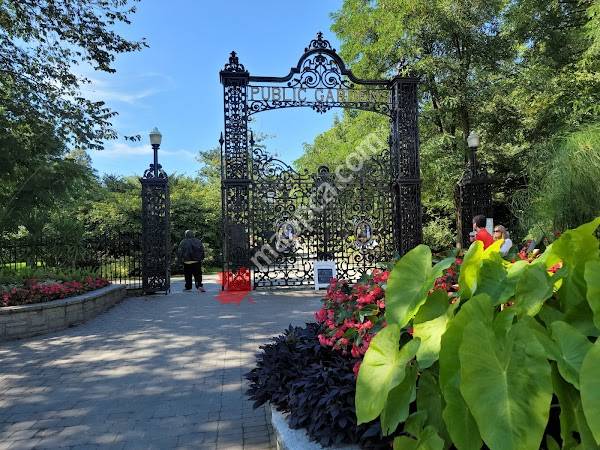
(116,258)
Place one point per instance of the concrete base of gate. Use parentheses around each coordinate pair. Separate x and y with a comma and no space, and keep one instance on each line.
(22,321)
(288,439)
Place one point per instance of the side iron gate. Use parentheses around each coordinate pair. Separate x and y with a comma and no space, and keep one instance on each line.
(278,222)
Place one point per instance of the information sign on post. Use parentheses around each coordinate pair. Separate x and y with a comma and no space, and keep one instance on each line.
(324,272)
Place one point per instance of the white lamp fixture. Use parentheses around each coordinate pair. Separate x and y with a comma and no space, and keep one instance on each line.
(155,137)
(473,140)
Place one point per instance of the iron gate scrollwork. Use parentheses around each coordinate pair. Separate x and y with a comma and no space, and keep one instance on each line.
(354,227)
(373,217)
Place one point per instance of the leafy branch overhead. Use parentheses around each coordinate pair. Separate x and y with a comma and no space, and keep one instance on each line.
(42,45)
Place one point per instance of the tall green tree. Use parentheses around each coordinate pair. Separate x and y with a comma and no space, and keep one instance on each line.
(42,43)
(452,46)
(38,175)
(45,46)
(520,73)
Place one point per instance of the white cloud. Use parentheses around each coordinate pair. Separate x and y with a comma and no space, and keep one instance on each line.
(123,149)
(126,88)
(117,149)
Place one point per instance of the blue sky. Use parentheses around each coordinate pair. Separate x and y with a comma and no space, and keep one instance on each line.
(174,84)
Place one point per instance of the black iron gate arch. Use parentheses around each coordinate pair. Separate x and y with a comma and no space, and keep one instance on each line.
(265,202)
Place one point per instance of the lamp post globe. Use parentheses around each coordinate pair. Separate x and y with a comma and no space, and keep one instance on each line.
(155,140)
(155,137)
(473,140)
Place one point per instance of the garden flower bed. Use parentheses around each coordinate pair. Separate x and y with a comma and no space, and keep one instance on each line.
(38,286)
(38,301)
(468,353)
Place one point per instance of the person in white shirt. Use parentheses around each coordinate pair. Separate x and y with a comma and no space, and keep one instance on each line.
(501,233)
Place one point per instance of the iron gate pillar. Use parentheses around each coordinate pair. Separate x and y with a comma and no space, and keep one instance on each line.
(235,163)
(472,196)
(156,231)
(405,167)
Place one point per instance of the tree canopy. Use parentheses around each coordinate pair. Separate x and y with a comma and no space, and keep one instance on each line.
(522,74)
(46,124)
(43,44)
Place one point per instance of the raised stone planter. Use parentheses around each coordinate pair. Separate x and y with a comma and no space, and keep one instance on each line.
(29,320)
(288,439)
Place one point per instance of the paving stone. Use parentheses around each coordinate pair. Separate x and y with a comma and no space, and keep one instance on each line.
(21,434)
(191,439)
(154,372)
(24,444)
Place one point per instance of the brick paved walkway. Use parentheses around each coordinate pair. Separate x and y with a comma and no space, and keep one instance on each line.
(155,372)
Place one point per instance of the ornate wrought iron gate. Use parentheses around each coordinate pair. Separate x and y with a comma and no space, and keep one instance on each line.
(270,222)
(354,229)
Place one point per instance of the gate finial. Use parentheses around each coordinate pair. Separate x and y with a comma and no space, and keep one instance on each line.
(234,64)
(319,43)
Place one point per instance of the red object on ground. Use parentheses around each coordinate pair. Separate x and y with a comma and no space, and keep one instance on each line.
(236,286)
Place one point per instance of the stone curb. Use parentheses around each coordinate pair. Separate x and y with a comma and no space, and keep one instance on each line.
(22,321)
(288,439)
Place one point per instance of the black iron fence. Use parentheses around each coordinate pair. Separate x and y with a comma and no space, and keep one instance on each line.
(116,258)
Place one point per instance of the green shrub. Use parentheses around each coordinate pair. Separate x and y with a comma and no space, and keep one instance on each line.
(518,345)
(21,275)
(564,187)
(439,234)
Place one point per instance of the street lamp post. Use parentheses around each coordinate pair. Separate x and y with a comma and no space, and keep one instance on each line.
(472,194)
(473,143)
(155,141)
(156,231)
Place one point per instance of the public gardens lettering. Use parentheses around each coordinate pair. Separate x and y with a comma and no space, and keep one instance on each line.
(317,95)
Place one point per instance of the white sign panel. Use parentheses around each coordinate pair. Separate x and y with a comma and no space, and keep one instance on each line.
(324,272)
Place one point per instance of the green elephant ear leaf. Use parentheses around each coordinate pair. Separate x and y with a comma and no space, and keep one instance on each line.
(590,389)
(575,248)
(431,329)
(543,337)
(469,270)
(579,244)
(415,423)
(459,422)
(533,289)
(511,373)
(428,440)
(551,443)
(405,443)
(572,420)
(573,346)
(429,400)
(407,286)
(383,368)
(592,280)
(438,269)
(469,277)
(582,318)
(493,280)
(396,407)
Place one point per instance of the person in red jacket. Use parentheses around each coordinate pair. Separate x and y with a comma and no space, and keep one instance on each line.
(481,234)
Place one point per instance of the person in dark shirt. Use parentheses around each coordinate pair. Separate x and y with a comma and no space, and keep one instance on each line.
(191,254)
(481,234)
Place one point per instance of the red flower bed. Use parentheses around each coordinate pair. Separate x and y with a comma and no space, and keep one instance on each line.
(449,280)
(33,291)
(352,315)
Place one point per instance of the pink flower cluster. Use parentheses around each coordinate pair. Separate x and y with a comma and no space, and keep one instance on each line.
(35,292)
(352,315)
